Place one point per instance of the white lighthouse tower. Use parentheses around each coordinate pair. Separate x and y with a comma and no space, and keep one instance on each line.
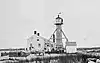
(58,35)
(58,23)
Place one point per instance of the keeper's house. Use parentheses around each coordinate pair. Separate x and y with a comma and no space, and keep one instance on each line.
(37,43)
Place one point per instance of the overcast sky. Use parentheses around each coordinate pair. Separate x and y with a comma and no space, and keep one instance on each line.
(19,18)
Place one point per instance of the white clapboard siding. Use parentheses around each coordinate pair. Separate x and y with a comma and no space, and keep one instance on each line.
(71,47)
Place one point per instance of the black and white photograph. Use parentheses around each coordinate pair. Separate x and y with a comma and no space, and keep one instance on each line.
(49,31)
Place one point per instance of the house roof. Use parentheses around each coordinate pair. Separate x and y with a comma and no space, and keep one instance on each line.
(40,37)
(71,44)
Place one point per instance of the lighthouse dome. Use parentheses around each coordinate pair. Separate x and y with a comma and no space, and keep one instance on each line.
(59,20)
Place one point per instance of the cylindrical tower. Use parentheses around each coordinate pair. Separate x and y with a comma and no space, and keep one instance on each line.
(59,22)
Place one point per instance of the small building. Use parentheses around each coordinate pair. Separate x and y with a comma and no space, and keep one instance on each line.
(37,43)
(71,47)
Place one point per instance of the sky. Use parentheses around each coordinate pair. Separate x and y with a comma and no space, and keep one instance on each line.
(19,18)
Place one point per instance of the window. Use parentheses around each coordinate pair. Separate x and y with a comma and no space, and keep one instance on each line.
(44,48)
(47,45)
(39,45)
(37,39)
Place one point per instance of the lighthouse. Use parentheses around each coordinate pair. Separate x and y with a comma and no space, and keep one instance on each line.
(59,23)
(58,37)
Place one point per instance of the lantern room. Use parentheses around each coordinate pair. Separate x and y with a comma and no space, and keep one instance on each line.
(59,21)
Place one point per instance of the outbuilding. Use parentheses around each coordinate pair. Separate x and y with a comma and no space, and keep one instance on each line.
(71,47)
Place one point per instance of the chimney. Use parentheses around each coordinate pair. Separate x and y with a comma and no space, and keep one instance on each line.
(34,32)
(38,34)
